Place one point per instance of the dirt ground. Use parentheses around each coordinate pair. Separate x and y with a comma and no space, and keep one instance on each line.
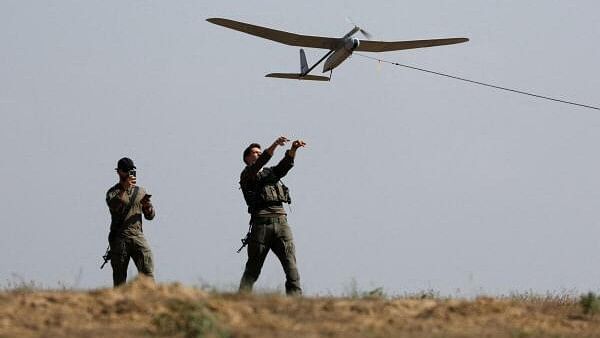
(143,309)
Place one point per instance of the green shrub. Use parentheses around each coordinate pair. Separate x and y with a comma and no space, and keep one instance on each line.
(192,319)
(590,303)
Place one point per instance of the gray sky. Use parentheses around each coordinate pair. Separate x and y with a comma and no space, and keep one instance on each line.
(409,182)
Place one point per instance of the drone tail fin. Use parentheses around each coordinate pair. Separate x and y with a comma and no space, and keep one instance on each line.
(303,63)
(303,75)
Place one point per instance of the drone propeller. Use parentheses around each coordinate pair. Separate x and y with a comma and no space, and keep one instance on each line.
(366,34)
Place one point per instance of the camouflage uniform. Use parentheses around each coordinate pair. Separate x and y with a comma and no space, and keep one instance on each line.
(126,237)
(264,193)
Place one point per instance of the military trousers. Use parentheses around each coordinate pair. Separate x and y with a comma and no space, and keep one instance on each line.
(126,247)
(271,233)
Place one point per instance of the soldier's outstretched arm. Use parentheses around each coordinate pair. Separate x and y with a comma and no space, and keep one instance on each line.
(295,145)
(281,140)
(266,155)
(286,164)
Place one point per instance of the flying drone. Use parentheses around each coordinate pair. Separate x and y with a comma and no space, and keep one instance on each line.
(339,48)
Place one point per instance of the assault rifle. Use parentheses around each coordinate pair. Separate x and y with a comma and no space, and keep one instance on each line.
(244,242)
(106,257)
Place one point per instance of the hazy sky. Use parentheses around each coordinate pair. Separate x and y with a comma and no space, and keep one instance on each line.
(410,181)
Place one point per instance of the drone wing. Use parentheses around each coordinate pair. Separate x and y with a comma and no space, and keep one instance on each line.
(386,46)
(279,36)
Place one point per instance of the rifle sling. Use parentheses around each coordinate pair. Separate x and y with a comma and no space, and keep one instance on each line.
(127,208)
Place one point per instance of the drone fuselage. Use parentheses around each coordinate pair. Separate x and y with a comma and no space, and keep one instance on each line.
(341,54)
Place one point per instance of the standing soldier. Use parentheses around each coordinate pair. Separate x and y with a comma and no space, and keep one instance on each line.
(127,202)
(265,194)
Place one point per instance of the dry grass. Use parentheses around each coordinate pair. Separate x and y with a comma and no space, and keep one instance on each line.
(142,309)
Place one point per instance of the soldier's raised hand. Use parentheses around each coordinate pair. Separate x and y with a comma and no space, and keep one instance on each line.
(281,140)
(295,145)
(298,144)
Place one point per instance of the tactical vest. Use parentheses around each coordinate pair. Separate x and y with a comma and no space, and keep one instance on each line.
(271,191)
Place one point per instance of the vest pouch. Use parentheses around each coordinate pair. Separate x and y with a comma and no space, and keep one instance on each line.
(269,194)
(275,193)
(284,193)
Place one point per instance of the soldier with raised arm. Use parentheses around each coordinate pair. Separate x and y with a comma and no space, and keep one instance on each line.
(265,194)
(127,203)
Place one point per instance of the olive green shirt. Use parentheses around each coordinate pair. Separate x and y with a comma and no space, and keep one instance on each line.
(130,224)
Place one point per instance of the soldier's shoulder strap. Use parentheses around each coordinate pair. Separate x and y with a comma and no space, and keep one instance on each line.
(132,199)
(136,190)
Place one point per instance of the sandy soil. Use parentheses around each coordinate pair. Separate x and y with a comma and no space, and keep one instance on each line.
(143,309)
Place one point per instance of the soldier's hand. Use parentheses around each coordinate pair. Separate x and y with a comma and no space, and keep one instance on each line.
(146,201)
(131,180)
(281,140)
(298,144)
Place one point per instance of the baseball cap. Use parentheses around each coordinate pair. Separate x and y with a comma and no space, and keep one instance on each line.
(125,164)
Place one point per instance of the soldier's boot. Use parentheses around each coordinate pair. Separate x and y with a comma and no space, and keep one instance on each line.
(292,288)
(257,253)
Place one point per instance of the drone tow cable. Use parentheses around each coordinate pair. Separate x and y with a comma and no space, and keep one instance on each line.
(478,82)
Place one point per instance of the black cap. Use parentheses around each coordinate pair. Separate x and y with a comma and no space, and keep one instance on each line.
(125,164)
